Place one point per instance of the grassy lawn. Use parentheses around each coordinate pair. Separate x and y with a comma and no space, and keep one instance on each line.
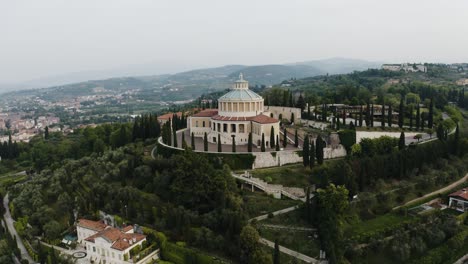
(290,175)
(293,218)
(300,241)
(375,224)
(259,203)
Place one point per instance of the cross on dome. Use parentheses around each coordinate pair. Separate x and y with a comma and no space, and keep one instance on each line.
(241,76)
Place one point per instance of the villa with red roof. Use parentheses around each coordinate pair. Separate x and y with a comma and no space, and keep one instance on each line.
(110,245)
(459,200)
(240,112)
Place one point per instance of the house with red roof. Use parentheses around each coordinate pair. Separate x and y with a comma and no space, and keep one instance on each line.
(459,200)
(110,245)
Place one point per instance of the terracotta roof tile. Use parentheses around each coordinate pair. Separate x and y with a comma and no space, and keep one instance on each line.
(463,193)
(93,225)
(118,238)
(206,113)
(169,116)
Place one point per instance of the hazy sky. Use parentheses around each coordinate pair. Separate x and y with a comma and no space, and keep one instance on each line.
(52,37)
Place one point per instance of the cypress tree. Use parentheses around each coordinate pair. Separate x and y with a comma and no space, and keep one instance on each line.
(292,118)
(430,118)
(390,115)
(338,124)
(401,142)
(174,133)
(276,253)
(192,141)
(272,137)
(368,112)
(319,146)
(205,142)
(411,118)
(308,112)
(285,138)
(262,147)
(277,143)
(184,143)
(305,151)
(418,118)
(296,139)
(344,118)
(401,109)
(360,117)
(440,132)
(312,154)
(233,143)
(46,133)
(382,122)
(372,116)
(220,148)
(249,145)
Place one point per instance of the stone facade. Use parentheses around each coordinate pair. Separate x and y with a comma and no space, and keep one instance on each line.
(240,112)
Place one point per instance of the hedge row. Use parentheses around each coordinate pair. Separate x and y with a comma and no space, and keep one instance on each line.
(238,161)
(181,255)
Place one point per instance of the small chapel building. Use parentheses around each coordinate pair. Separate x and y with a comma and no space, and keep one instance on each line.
(239,112)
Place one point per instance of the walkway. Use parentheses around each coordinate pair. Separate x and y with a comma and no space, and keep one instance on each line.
(282,211)
(283,227)
(290,252)
(11,228)
(446,188)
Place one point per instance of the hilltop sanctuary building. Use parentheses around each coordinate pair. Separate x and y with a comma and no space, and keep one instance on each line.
(239,112)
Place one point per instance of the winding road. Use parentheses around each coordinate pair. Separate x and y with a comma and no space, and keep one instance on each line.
(11,228)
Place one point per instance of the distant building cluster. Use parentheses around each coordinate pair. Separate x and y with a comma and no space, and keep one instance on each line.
(406,67)
(25,127)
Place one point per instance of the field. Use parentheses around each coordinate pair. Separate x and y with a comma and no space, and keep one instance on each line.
(258,203)
(303,242)
(290,175)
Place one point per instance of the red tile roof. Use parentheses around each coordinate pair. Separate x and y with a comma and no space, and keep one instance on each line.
(93,225)
(463,194)
(119,239)
(262,119)
(206,113)
(127,228)
(169,116)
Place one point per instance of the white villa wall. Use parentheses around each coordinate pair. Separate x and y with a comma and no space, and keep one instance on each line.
(375,134)
(285,112)
(84,233)
(102,251)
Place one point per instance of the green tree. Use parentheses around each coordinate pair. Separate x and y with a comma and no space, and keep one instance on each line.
(192,141)
(285,138)
(319,146)
(430,118)
(418,118)
(233,143)
(276,253)
(296,139)
(205,142)
(46,133)
(251,252)
(401,142)
(382,121)
(440,132)
(277,148)
(263,143)
(401,113)
(184,143)
(456,141)
(272,137)
(390,115)
(305,152)
(332,203)
(312,154)
(360,116)
(174,135)
(250,143)
(220,148)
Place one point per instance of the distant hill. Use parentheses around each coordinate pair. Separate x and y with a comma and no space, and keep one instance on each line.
(340,65)
(191,84)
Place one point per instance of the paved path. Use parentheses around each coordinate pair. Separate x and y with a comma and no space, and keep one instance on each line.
(462,260)
(11,228)
(283,227)
(282,211)
(290,252)
(446,188)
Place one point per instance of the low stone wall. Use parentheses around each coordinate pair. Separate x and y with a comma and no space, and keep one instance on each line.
(376,134)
